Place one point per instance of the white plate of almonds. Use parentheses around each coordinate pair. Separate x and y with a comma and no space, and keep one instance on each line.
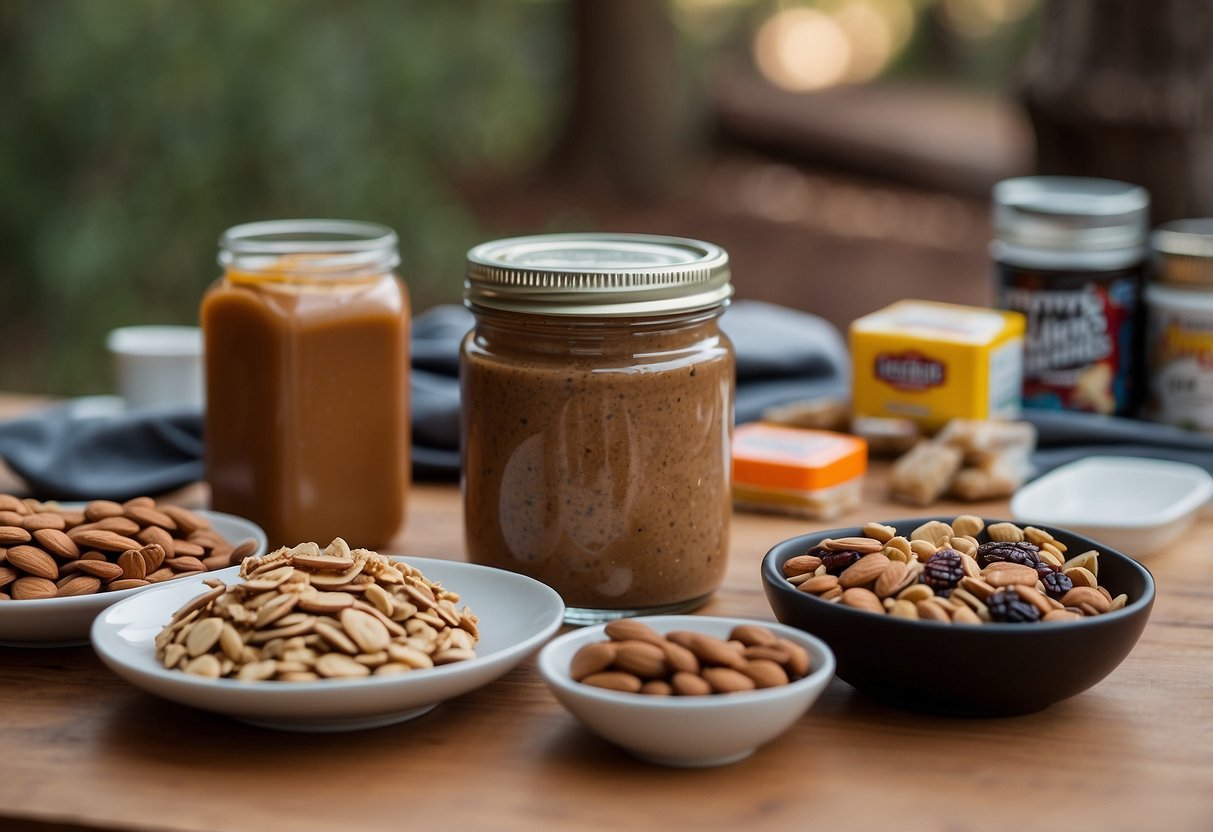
(277,647)
(51,617)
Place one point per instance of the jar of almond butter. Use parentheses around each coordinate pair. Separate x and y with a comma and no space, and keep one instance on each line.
(597,416)
(307,381)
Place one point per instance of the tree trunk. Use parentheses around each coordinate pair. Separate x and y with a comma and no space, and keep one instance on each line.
(1124,89)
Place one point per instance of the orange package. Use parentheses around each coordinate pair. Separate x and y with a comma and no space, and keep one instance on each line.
(810,473)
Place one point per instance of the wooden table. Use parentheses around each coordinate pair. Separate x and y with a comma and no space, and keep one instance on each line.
(80,749)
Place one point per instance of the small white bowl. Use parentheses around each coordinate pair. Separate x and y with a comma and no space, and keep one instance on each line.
(157,365)
(1132,504)
(516,614)
(64,622)
(687,731)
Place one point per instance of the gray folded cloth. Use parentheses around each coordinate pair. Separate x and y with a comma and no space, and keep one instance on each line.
(64,453)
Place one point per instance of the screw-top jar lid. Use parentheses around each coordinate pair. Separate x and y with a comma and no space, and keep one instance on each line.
(316,247)
(600,275)
(1070,213)
(1183,252)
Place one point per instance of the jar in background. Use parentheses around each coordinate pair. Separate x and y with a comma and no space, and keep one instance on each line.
(1179,342)
(1069,254)
(307,378)
(597,399)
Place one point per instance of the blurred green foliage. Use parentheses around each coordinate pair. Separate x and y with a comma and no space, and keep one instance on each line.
(132,133)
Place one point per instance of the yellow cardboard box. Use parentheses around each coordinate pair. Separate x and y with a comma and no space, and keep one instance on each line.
(932,362)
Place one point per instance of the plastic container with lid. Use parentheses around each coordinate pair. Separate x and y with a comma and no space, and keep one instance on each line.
(809,473)
(307,381)
(1179,341)
(597,393)
(1069,255)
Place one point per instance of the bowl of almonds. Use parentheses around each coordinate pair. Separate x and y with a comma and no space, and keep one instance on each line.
(965,616)
(687,690)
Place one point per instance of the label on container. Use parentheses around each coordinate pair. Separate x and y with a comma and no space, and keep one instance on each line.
(1082,333)
(1180,358)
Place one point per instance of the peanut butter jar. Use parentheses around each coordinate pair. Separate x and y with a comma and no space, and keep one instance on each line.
(307,378)
(597,393)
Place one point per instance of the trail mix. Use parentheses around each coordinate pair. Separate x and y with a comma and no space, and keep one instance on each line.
(304,614)
(637,659)
(47,551)
(960,572)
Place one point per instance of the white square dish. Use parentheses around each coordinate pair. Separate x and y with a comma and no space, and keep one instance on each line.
(1135,505)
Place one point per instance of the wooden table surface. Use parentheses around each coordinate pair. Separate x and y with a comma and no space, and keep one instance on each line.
(81,749)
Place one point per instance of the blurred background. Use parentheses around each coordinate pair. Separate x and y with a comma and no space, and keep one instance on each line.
(842,150)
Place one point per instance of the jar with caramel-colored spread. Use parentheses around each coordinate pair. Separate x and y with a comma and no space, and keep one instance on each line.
(597,416)
(307,377)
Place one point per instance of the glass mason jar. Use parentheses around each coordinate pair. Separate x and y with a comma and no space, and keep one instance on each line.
(597,393)
(307,379)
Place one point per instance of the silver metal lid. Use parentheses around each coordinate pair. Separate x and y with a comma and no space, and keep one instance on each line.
(600,275)
(1070,213)
(1183,252)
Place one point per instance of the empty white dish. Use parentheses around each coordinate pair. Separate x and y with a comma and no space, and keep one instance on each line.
(516,614)
(687,731)
(1136,505)
(64,622)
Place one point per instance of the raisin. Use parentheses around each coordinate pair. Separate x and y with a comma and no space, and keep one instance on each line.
(1057,585)
(995,551)
(836,562)
(1006,606)
(943,571)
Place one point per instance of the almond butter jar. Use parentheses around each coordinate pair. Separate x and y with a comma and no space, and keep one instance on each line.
(307,378)
(597,393)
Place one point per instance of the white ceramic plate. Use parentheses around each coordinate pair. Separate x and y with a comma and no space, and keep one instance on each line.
(64,622)
(517,614)
(1135,505)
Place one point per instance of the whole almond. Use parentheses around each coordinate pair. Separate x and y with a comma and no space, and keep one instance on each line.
(208,538)
(800,565)
(656,687)
(10,518)
(751,635)
(765,673)
(863,545)
(819,584)
(100,509)
(106,541)
(139,501)
(133,565)
(771,652)
(904,609)
(799,661)
(103,569)
(160,575)
(1001,574)
(727,680)
(10,503)
(158,536)
(965,615)
(57,543)
(591,659)
(148,516)
(33,589)
(864,571)
(713,651)
(862,599)
(33,522)
(14,534)
(896,577)
(79,585)
(641,658)
(614,680)
(1061,615)
(689,684)
(932,610)
(153,556)
(244,549)
(185,549)
(125,583)
(7,575)
(33,561)
(185,563)
(679,658)
(117,525)
(1089,600)
(627,629)
(187,521)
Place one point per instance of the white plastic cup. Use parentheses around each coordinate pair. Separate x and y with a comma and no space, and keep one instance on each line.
(157,365)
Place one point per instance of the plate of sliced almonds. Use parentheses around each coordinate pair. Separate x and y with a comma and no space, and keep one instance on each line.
(306,639)
(60,565)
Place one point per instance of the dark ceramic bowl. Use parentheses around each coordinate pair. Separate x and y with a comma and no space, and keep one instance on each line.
(967,670)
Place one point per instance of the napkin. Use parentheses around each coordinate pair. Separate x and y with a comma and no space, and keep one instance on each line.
(72,452)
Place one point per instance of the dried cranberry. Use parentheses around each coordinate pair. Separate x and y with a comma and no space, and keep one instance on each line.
(836,562)
(995,551)
(1006,606)
(1057,584)
(943,571)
